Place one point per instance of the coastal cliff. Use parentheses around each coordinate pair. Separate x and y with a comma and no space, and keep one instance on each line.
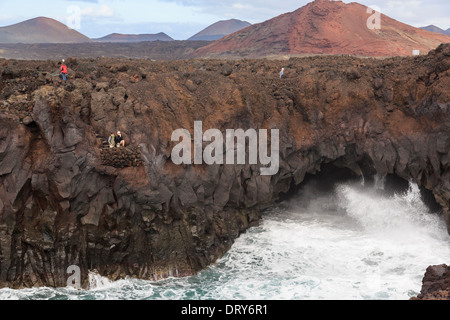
(64,201)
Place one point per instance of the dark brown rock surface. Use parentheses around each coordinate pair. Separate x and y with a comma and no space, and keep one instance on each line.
(436,284)
(60,205)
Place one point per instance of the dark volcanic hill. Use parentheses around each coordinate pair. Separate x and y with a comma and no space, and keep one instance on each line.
(433,28)
(220,29)
(127,38)
(41,30)
(325,27)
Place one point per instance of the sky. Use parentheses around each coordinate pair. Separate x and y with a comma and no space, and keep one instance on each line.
(181,19)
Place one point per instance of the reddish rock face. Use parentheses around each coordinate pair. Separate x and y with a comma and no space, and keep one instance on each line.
(64,202)
(325,27)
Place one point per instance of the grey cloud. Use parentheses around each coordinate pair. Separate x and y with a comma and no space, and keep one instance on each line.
(254,10)
(416,12)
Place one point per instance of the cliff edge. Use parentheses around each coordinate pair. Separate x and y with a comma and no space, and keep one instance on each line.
(62,203)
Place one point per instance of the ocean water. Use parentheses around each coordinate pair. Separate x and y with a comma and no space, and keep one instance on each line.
(354,242)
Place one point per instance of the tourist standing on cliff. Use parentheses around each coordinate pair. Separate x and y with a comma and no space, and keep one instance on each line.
(281,73)
(64,70)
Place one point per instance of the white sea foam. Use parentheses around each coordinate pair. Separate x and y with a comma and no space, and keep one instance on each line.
(356,243)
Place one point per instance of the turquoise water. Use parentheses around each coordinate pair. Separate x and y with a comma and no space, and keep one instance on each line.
(354,243)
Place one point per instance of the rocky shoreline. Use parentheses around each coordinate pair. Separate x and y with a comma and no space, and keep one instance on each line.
(436,284)
(63,203)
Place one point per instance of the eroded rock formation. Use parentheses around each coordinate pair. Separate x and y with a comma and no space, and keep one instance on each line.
(61,206)
(435,284)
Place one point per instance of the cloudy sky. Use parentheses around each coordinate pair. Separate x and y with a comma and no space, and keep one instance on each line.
(181,19)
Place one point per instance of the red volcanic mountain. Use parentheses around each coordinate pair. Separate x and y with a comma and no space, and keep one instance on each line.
(220,29)
(127,38)
(325,27)
(40,30)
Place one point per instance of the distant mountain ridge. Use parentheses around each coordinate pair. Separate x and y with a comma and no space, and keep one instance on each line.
(320,27)
(220,29)
(433,28)
(324,27)
(47,30)
(129,38)
(40,30)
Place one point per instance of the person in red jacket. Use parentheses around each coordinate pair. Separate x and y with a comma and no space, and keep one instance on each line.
(63,70)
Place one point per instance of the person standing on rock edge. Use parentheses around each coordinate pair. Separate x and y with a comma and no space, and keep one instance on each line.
(64,70)
(281,73)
